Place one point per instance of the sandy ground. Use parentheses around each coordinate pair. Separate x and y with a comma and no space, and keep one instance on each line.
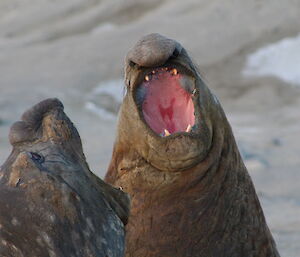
(66,48)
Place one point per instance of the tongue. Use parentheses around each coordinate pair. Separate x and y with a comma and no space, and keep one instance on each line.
(167,105)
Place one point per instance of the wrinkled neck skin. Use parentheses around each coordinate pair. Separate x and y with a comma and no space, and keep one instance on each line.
(212,201)
(191,193)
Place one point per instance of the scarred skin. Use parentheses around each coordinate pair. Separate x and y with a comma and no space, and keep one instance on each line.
(51,204)
(191,193)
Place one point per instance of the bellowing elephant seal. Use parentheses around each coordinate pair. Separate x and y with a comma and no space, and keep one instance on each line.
(176,156)
(51,205)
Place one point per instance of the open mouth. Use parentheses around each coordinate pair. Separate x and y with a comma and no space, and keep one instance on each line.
(166,101)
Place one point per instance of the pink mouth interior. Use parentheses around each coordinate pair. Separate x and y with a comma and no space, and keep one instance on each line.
(166,104)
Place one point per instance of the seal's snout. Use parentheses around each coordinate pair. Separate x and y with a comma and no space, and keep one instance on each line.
(28,128)
(35,114)
(153,50)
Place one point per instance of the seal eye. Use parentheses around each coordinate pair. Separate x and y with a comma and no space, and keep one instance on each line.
(36,157)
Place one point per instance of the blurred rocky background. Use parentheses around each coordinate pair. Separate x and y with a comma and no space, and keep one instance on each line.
(247,51)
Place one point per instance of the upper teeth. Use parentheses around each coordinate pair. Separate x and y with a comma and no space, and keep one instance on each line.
(174,71)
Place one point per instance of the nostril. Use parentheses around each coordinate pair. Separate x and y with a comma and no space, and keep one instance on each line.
(175,53)
(36,157)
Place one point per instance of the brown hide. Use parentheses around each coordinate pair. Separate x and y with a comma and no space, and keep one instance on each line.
(191,193)
(51,205)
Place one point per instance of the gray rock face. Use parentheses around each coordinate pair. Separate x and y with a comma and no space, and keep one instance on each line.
(51,204)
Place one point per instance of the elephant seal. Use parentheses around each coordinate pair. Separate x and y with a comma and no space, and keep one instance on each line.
(176,156)
(51,204)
